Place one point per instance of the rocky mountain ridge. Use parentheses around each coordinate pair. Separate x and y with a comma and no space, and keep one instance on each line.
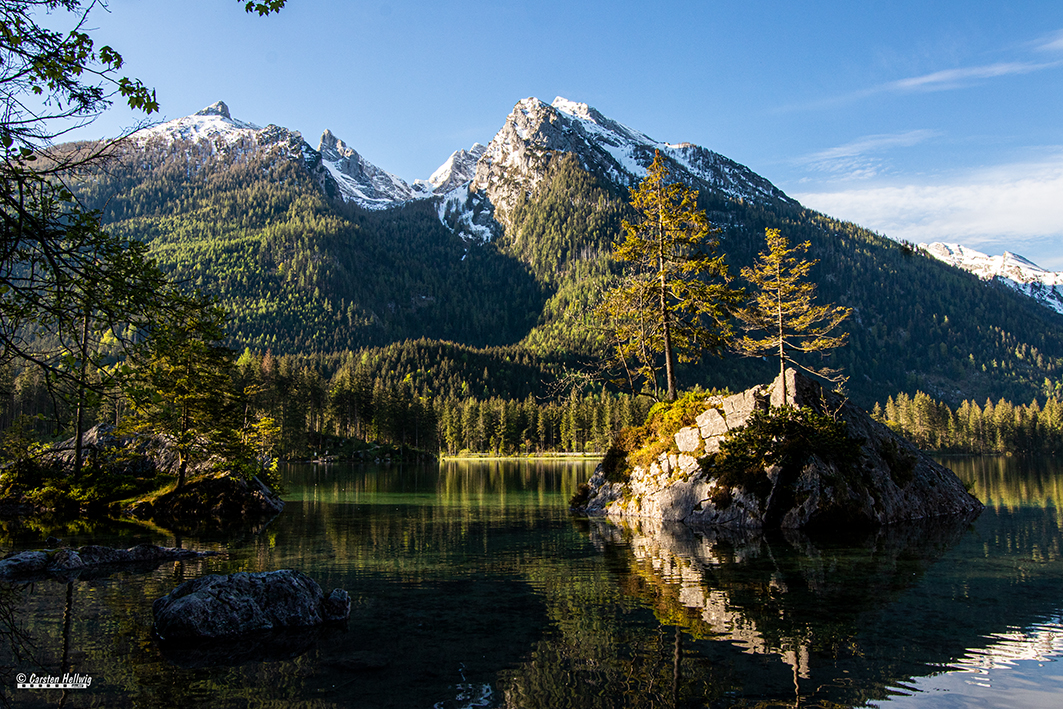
(475,189)
(510,164)
(1014,271)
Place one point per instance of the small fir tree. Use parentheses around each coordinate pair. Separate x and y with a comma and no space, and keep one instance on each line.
(783,309)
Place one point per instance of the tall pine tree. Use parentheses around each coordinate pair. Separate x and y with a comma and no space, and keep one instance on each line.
(673,300)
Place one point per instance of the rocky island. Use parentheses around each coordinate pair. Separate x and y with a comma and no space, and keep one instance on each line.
(715,473)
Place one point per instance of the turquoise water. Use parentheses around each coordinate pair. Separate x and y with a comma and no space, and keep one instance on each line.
(473,586)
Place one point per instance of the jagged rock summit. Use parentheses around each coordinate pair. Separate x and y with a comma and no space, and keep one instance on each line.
(458,170)
(359,180)
(514,159)
(215,109)
(213,124)
(891,480)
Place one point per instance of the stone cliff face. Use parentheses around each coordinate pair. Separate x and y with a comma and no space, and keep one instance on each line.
(892,481)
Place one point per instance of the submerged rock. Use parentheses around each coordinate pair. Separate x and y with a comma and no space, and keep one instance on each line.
(217,606)
(61,562)
(891,481)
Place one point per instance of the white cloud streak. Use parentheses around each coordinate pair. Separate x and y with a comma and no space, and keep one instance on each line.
(1053,43)
(871,143)
(956,78)
(856,159)
(1017,207)
(947,79)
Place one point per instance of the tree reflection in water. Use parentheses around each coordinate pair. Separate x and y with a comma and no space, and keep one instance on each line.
(473,586)
(764,617)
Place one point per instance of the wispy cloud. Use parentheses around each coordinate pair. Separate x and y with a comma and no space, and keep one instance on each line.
(872,143)
(1015,207)
(956,78)
(1052,43)
(948,79)
(858,159)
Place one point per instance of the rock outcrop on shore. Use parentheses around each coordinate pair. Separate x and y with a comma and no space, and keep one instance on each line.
(140,454)
(209,503)
(890,481)
(234,605)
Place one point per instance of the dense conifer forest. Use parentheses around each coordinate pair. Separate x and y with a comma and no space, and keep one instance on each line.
(1000,427)
(301,274)
(387,326)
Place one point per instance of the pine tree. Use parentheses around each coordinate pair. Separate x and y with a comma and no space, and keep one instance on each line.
(673,299)
(784,310)
(184,388)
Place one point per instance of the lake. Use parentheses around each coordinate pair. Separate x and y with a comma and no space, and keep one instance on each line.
(473,586)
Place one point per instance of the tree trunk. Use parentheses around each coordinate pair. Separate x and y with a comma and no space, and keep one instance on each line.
(182,469)
(666,325)
(83,346)
(782,352)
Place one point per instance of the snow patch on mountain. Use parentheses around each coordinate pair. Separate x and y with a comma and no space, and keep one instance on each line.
(469,215)
(1012,270)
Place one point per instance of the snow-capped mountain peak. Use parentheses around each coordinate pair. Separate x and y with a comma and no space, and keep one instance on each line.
(579,110)
(213,123)
(619,154)
(215,109)
(457,170)
(1013,270)
(359,180)
(591,115)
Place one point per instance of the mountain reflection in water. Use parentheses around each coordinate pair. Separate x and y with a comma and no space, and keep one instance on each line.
(473,586)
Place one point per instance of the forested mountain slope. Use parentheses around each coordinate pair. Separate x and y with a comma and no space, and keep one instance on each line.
(515,254)
(251,221)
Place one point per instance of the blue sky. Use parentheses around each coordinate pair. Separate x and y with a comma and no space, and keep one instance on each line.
(927,121)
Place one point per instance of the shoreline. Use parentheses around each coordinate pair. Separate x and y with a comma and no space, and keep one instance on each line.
(541,456)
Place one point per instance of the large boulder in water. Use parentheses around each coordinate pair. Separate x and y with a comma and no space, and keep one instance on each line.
(218,606)
(887,480)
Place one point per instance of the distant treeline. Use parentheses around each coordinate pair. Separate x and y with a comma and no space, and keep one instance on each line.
(1002,427)
(450,398)
(426,395)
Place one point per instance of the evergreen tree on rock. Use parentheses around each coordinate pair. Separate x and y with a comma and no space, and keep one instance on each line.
(783,309)
(673,300)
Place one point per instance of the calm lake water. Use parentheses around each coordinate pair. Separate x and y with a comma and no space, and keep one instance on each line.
(473,586)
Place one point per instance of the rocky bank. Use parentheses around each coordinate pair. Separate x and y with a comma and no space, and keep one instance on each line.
(891,481)
(67,562)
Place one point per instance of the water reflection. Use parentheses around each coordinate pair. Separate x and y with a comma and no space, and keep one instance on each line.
(1011,484)
(472,585)
(762,618)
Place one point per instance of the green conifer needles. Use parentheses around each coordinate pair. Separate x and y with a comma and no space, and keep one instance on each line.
(783,308)
(673,300)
